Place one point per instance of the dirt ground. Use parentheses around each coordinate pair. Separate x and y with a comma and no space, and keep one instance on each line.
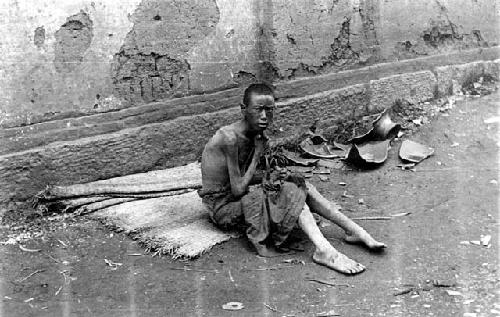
(451,197)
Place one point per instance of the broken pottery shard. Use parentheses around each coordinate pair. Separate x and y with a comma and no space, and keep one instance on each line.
(318,138)
(295,159)
(345,147)
(320,150)
(383,128)
(346,195)
(453,293)
(370,152)
(414,152)
(233,306)
(485,240)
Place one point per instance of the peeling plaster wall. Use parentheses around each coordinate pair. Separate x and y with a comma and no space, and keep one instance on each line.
(152,62)
(437,26)
(68,58)
(36,82)
(319,36)
(227,56)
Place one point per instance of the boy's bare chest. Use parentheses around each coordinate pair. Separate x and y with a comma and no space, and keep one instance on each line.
(245,153)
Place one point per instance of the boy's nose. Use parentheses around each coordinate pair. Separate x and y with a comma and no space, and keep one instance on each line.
(263,114)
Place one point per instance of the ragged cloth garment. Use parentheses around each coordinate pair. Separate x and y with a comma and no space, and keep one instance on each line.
(268,212)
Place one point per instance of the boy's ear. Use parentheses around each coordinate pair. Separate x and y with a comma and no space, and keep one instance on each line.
(242,106)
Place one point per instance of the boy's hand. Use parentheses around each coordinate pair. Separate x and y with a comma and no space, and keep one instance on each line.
(283,172)
(260,144)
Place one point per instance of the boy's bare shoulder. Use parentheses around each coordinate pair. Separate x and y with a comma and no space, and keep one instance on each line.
(225,136)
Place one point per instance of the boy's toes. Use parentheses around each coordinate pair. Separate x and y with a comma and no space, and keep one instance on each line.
(377,245)
(338,262)
(366,239)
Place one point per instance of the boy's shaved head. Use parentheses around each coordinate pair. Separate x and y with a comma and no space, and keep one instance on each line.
(260,88)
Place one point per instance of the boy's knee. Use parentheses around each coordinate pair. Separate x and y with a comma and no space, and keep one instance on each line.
(305,213)
(310,187)
(306,208)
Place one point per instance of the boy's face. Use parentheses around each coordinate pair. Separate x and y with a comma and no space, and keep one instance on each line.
(259,112)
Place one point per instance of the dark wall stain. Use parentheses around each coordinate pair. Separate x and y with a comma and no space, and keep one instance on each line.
(369,13)
(243,78)
(441,34)
(408,49)
(342,53)
(264,45)
(444,32)
(72,40)
(151,64)
(39,37)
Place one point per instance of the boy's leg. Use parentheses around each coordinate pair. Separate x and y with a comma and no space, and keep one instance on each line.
(325,253)
(329,210)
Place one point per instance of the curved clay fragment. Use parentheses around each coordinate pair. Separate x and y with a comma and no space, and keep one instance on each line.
(321,150)
(233,306)
(294,159)
(414,152)
(383,128)
(374,152)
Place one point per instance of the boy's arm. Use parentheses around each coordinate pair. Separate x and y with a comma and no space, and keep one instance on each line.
(239,184)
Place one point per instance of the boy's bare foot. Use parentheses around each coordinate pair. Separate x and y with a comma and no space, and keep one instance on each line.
(366,239)
(337,261)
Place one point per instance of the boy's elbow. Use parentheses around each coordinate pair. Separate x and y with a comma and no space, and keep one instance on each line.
(237,191)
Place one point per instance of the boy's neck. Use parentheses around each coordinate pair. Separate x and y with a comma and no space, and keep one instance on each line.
(246,131)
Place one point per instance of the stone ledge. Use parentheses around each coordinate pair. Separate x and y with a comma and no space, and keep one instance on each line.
(464,73)
(311,85)
(22,138)
(325,108)
(412,87)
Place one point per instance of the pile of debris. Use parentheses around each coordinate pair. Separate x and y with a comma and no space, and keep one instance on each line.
(317,156)
(484,85)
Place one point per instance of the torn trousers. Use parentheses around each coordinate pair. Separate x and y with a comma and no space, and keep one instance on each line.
(266,213)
